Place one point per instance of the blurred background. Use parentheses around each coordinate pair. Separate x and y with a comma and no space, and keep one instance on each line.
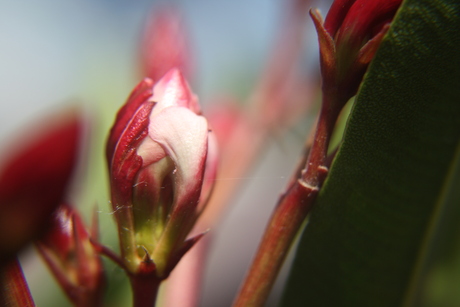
(58,53)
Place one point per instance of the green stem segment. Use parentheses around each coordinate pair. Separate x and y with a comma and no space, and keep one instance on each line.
(290,212)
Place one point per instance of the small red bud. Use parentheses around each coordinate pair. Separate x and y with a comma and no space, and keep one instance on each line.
(72,258)
(34,181)
(349,39)
(165,44)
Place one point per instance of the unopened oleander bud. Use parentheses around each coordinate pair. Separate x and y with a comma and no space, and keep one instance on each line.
(349,39)
(162,162)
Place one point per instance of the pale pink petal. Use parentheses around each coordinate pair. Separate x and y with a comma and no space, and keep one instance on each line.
(183,136)
(173,90)
(165,44)
(212,161)
(150,151)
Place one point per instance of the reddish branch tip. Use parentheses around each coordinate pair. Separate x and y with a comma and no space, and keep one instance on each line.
(349,39)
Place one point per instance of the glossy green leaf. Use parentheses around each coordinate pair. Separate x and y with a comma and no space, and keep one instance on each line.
(373,229)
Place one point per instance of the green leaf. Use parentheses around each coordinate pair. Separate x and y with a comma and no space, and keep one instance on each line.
(441,273)
(371,234)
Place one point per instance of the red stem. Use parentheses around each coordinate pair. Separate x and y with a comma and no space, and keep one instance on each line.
(145,290)
(292,209)
(284,224)
(316,167)
(104,250)
(14,291)
(145,284)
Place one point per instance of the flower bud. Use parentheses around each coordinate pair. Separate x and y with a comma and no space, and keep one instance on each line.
(162,161)
(165,44)
(349,40)
(74,261)
(33,182)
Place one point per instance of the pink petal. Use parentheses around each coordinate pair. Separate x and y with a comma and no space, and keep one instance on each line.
(210,173)
(183,136)
(150,152)
(173,90)
(165,44)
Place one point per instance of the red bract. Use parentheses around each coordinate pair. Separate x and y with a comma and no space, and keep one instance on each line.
(165,44)
(359,19)
(162,163)
(349,40)
(74,261)
(34,181)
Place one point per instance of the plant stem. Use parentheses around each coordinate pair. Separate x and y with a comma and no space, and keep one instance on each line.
(145,283)
(145,289)
(284,224)
(316,169)
(14,291)
(289,214)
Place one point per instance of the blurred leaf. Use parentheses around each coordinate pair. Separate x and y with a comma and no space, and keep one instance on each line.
(441,277)
(371,234)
